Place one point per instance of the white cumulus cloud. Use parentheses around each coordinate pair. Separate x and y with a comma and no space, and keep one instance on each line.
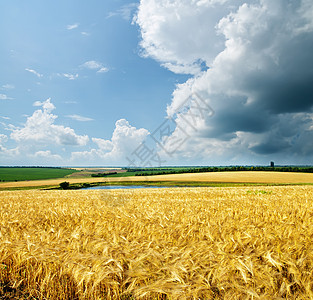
(47,155)
(181,35)
(125,139)
(40,128)
(4,152)
(46,105)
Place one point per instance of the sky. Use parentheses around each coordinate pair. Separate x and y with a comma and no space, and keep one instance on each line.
(156,83)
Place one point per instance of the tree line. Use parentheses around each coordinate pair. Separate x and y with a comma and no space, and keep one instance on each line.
(226,169)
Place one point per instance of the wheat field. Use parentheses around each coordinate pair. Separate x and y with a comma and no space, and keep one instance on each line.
(177,243)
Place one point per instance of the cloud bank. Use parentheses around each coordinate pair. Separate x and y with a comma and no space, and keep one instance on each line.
(252,62)
(41,141)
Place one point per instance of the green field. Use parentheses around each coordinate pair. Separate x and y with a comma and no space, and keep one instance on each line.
(19,174)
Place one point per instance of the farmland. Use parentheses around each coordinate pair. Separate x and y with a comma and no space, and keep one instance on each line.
(244,177)
(186,243)
(21,174)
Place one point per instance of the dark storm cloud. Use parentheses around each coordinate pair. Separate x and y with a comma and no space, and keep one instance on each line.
(237,115)
(260,85)
(290,134)
(287,85)
(270,147)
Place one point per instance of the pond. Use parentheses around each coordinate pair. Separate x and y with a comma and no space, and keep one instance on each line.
(117,187)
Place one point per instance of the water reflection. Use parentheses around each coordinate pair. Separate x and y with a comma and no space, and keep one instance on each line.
(117,187)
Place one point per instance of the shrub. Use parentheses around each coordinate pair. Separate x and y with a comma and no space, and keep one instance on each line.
(64,185)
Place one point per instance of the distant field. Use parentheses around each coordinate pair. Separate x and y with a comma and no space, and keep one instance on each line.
(95,168)
(238,176)
(89,172)
(211,177)
(20,174)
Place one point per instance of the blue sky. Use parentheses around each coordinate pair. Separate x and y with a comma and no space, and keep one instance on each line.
(56,39)
(87,83)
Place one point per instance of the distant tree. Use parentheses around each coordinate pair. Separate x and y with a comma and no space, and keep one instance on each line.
(64,185)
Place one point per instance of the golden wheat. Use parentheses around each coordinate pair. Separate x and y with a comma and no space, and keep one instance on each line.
(179,243)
